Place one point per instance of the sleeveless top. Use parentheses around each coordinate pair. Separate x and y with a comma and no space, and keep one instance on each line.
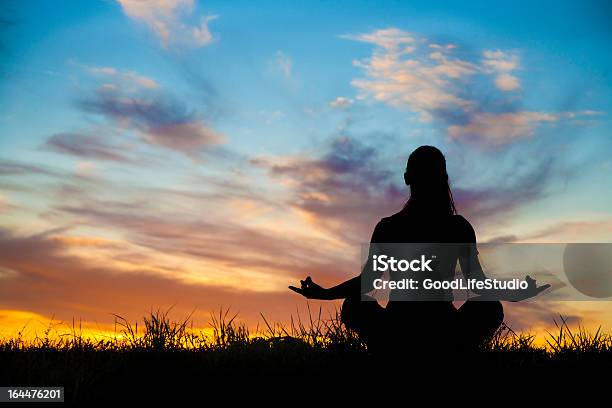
(423,230)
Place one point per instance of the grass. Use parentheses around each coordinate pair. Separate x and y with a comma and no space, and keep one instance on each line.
(169,355)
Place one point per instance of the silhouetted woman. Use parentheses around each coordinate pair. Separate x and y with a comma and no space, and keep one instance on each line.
(429,216)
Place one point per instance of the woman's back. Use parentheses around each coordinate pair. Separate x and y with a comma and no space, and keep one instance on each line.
(422,229)
(408,227)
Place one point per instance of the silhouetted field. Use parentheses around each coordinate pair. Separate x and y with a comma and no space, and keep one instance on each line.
(172,360)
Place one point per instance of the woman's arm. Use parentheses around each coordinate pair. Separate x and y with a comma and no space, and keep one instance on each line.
(311,290)
(349,288)
(471,269)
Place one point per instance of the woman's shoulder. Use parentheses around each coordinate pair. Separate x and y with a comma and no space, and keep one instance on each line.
(460,219)
(465,231)
(456,228)
(402,216)
(387,227)
(392,221)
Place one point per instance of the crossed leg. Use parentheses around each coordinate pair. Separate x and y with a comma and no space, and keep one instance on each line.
(368,318)
(477,321)
(473,323)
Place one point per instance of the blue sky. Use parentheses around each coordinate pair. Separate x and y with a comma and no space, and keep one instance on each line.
(291,121)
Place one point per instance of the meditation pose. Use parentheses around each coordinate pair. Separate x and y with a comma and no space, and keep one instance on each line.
(423,319)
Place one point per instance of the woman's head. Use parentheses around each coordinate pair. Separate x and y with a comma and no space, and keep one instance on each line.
(428,180)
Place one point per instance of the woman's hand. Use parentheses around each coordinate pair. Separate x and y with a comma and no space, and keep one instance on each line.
(310,290)
(513,295)
(532,290)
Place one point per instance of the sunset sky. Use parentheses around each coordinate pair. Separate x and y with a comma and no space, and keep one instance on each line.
(208,154)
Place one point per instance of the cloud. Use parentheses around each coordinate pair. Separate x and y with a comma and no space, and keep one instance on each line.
(400,76)
(211,231)
(5,206)
(495,129)
(573,231)
(85,146)
(158,118)
(185,137)
(341,103)
(167,18)
(391,39)
(507,82)
(501,128)
(348,186)
(507,192)
(132,101)
(344,190)
(446,86)
(128,77)
(85,168)
(502,63)
(202,35)
(70,286)
(17,168)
